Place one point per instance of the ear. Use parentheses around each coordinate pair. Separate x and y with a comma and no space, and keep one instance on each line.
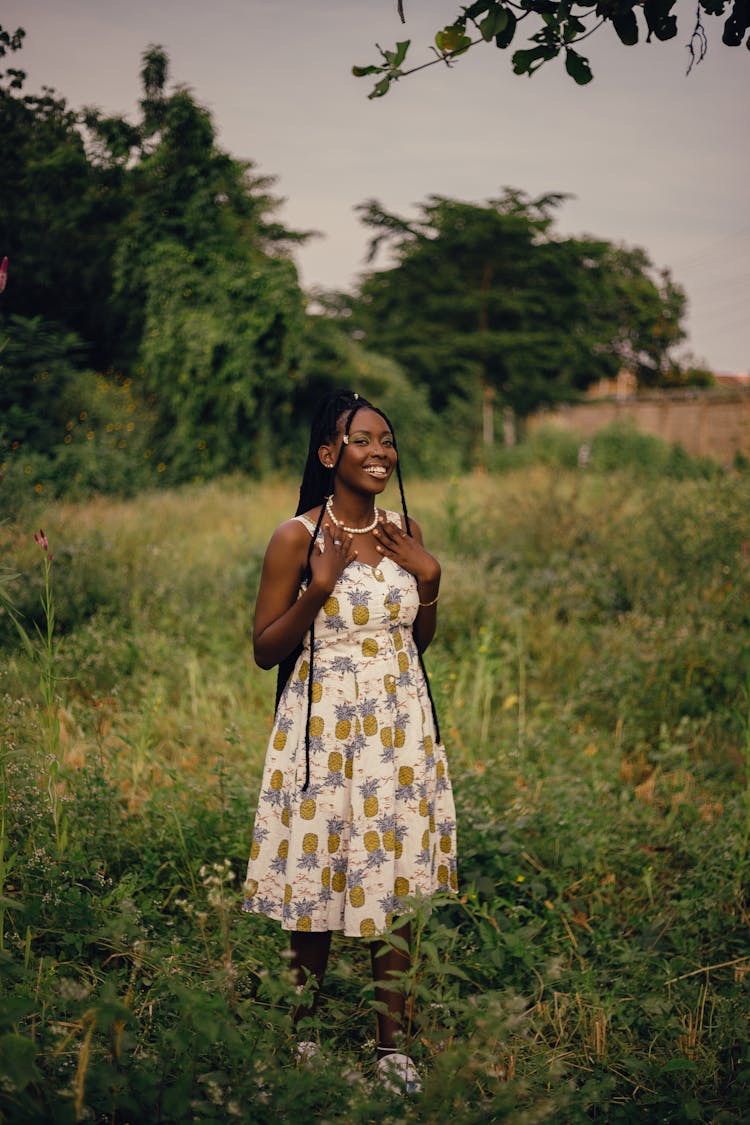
(326,456)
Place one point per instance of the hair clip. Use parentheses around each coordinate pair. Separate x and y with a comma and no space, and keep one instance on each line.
(346,439)
(356,395)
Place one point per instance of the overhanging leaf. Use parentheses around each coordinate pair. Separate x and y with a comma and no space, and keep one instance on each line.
(505,37)
(577,67)
(626,26)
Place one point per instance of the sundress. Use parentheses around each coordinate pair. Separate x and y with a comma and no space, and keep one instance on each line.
(376,824)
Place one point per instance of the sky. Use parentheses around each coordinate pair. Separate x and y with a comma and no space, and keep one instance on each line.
(648,156)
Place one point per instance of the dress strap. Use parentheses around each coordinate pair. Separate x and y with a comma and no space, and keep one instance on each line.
(306,522)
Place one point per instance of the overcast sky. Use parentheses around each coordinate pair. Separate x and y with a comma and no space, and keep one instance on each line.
(651,158)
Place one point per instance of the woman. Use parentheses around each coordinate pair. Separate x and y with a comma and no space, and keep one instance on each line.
(356,811)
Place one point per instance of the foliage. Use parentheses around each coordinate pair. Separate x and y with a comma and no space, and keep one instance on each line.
(560,28)
(176,279)
(483,301)
(594,701)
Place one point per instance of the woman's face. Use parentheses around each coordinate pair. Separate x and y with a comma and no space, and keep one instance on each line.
(369,456)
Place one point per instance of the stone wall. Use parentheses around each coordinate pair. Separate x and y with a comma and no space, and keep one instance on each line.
(707,423)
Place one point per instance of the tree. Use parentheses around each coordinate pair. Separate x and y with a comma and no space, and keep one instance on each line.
(483,304)
(559,25)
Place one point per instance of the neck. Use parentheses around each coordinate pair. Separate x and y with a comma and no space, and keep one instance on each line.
(353,508)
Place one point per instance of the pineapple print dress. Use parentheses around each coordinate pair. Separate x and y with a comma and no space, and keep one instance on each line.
(377,821)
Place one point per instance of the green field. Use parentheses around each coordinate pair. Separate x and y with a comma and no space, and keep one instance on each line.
(591,670)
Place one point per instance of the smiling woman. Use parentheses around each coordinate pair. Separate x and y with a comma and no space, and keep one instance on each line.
(356,811)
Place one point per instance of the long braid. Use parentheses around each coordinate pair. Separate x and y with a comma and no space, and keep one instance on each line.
(317,484)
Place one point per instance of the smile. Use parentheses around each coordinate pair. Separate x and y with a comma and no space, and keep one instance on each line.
(376,470)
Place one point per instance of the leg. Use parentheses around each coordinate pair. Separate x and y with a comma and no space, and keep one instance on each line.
(388,966)
(309,959)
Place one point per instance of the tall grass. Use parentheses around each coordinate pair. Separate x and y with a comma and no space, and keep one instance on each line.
(591,674)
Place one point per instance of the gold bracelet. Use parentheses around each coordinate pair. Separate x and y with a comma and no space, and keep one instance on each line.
(424,605)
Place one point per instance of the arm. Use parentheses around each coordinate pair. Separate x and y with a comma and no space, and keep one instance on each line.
(410,553)
(281,617)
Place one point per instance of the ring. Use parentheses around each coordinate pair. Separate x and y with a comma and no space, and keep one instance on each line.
(337,542)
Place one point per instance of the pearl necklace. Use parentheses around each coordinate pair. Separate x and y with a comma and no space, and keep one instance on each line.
(350,530)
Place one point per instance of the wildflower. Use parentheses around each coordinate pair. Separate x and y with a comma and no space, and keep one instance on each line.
(41,541)
(3,274)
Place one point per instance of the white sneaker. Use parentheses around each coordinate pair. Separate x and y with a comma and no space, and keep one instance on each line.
(398,1074)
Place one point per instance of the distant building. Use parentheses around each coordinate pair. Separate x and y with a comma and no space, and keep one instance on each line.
(733,379)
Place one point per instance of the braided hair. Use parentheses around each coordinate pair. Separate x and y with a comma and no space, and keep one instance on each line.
(317,485)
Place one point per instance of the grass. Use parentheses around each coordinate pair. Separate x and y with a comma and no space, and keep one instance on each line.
(591,675)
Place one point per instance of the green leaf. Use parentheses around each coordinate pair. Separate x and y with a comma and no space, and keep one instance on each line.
(626,26)
(361,71)
(17,1055)
(380,88)
(401,49)
(677,1064)
(526,62)
(493,23)
(452,39)
(505,37)
(577,67)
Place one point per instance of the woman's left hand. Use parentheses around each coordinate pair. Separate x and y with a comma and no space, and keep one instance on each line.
(407,551)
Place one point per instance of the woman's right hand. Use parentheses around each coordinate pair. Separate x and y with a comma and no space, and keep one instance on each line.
(328,565)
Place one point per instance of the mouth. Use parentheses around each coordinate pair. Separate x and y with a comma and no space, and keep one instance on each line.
(377,470)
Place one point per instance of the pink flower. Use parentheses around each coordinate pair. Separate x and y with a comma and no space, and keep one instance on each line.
(3,274)
(41,540)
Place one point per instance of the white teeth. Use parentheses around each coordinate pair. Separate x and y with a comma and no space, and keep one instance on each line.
(376,470)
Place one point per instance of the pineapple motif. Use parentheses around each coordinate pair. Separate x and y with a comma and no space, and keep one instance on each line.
(401,886)
(310,843)
(386,737)
(287,894)
(443,875)
(398,640)
(304,923)
(445,829)
(307,809)
(403,662)
(251,888)
(325,877)
(283,851)
(399,737)
(254,850)
(283,727)
(335,762)
(370,725)
(371,840)
(335,828)
(369,791)
(331,607)
(369,647)
(356,890)
(316,726)
(389,683)
(359,599)
(277,779)
(387,826)
(367,927)
(286,816)
(317,691)
(349,768)
(338,881)
(406,775)
(429,746)
(304,668)
(344,716)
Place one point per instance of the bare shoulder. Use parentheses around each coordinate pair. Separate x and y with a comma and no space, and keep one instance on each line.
(289,535)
